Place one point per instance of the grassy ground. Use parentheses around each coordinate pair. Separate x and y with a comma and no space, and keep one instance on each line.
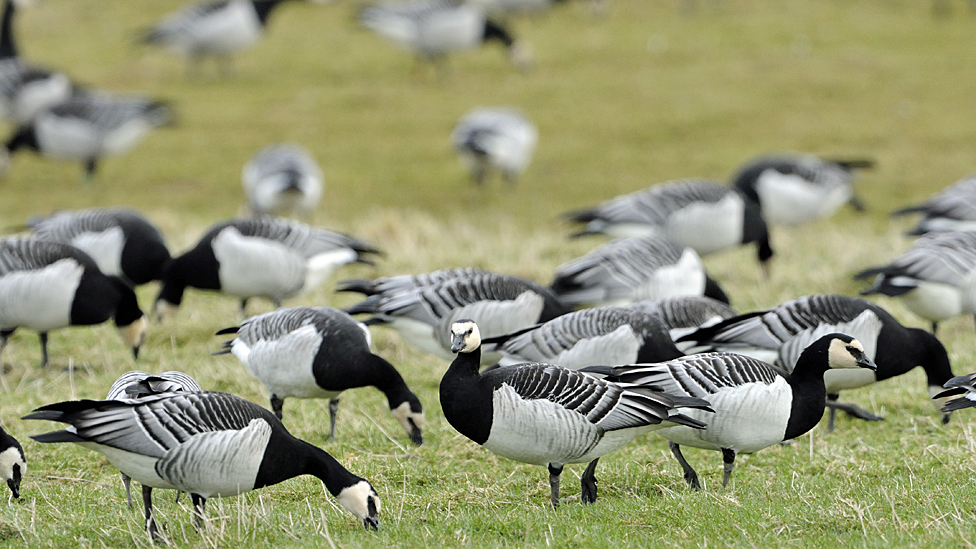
(647,93)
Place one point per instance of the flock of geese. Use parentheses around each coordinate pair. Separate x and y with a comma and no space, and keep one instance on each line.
(632,337)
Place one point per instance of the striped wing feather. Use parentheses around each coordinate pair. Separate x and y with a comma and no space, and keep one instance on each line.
(698,376)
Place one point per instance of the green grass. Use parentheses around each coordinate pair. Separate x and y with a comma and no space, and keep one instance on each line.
(645,94)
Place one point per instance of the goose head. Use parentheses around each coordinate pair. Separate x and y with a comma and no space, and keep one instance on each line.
(846,352)
(12,469)
(465,337)
(410,414)
(361,500)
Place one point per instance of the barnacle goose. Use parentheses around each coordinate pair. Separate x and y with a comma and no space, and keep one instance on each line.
(546,415)
(780,334)
(501,139)
(792,189)
(282,178)
(137,384)
(13,463)
(603,335)
(423,316)
(88,126)
(699,213)
(952,209)
(49,285)
(959,385)
(121,241)
(434,29)
(632,269)
(755,405)
(933,278)
(265,256)
(209,444)
(306,352)
(401,283)
(685,314)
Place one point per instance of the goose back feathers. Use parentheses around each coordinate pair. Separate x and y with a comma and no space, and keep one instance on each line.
(952,209)
(282,178)
(685,314)
(495,139)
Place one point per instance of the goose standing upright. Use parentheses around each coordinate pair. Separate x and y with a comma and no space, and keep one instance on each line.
(282,178)
(952,209)
(49,285)
(542,414)
(306,352)
(500,139)
(755,405)
(13,462)
(209,444)
(685,314)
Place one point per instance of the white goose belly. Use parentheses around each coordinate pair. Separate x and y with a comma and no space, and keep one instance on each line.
(257,267)
(284,365)
(708,227)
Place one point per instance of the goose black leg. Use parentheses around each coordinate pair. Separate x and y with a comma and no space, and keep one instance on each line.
(4,337)
(127,483)
(935,327)
(90,166)
(588,482)
(554,473)
(150,516)
(850,409)
(44,357)
(728,463)
(199,503)
(691,477)
(276,405)
(333,410)
(244,308)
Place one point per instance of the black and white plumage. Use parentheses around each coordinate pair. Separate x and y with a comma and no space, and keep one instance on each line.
(399,283)
(423,316)
(951,209)
(603,335)
(792,189)
(959,385)
(632,269)
(209,444)
(306,352)
(699,213)
(510,7)
(269,257)
(780,334)
(546,415)
(755,405)
(282,178)
(120,240)
(499,139)
(13,462)
(935,278)
(47,285)
(685,314)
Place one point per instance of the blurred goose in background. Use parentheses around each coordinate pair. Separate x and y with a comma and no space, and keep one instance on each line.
(632,269)
(550,416)
(434,29)
(755,405)
(306,352)
(685,314)
(47,285)
(121,241)
(268,257)
(952,209)
(780,334)
(209,444)
(87,127)
(281,179)
(13,463)
(702,214)
(400,283)
(512,7)
(792,189)
(960,385)
(935,277)
(499,139)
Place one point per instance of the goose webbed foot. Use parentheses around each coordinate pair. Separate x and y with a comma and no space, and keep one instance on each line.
(691,477)
(151,525)
(851,410)
(588,482)
(554,473)
(199,503)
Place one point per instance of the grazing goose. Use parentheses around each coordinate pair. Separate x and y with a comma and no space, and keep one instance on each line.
(320,352)
(755,405)
(121,241)
(792,189)
(13,463)
(423,316)
(401,283)
(934,277)
(952,209)
(434,29)
(780,334)
(685,314)
(959,385)
(500,139)
(604,335)
(282,178)
(87,127)
(546,415)
(48,285)
(267,257)
(209,444)
(623,271)
(699,213)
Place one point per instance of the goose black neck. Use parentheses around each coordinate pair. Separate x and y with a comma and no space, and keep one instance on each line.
(128,310)
(809,390)
(7,47)
(23,138)
(332,372)
(466,399)
(494,31)
(933,358)
(287,459)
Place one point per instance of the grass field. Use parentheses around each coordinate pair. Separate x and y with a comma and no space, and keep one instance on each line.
(649,92)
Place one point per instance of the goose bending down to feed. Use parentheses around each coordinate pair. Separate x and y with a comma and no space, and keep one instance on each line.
(307,352)
(685,314)
(702,214)
(934,278)
(48,285)
(121,241)
(792,189)
(13,463)
(952,209)
(780,334)
(546,415)
(623,271)
(401,283)
(268,257)
(209,444)
(282,178)
(755,405)
(495,139)
(959,385)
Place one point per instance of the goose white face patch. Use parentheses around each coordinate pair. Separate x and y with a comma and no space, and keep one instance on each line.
(8,459)
(469,334)
(357,498)
(408,419)
(135,334)
(839,355)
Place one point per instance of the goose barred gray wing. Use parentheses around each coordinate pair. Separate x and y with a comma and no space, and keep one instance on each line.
(182,22)
(959,385)
(136,384)
(687,311)
(948,258)
(26,254)
(107,112)
(954,208)
(401,283)
(654,205)
(63,226)
(304,239)
(277,324)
